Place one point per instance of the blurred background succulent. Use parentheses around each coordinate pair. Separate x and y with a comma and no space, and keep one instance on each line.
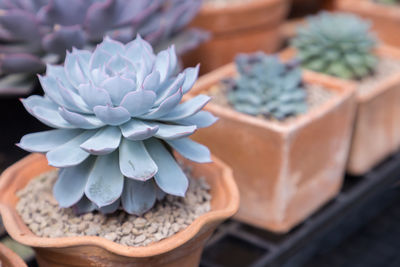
(267,87)
(117,112)
(36,32)
(337,44)
(388,2)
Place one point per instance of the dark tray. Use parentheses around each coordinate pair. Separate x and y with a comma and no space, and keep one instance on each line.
(361,199)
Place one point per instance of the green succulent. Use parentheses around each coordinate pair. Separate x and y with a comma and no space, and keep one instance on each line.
(388,2)
(337,44)
(267,87)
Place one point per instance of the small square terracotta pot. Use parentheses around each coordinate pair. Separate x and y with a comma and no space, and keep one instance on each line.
(284,171)
(377,124)
(386,19)
(376,132)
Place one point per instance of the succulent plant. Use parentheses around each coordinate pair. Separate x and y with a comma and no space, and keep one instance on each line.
(36,32)
(117,112)
(337,44)
(388,2)
(267,87)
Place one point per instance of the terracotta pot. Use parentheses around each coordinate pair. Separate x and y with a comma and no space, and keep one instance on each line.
(10,259)
(181,249)
(284,171)
(386,19)
(377,125)
(376,133)
(241,27)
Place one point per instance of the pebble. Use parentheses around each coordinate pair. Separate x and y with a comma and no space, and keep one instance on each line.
(40,211)
(127,228)
(140,239)
(151,230)
(111,236)
(139,223)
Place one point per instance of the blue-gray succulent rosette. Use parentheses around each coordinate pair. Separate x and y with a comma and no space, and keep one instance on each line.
(118,112)
(36,32)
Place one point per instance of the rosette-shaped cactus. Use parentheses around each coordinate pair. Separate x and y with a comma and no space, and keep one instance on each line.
(117,112)
(337,44)
(36,32)
(267,87)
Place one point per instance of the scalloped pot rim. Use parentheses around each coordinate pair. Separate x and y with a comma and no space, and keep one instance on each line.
(20,232)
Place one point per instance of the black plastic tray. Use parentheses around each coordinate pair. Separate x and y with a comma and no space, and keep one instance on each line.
(361,199)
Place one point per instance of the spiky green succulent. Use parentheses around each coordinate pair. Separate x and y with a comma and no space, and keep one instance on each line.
(36,32)
(337,44)
(267,87)
(117,112)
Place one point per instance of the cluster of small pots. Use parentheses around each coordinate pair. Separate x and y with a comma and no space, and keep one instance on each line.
(282,172)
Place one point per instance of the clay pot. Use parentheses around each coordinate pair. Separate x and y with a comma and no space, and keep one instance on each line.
(10,259)
(385,19)
(284,171)
(181,249)
(377,124)
(239,27)
(376,133)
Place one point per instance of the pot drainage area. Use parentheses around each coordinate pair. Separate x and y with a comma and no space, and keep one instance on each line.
(358,228)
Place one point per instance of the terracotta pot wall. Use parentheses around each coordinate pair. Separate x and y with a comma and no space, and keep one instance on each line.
(243,27)
(377,125)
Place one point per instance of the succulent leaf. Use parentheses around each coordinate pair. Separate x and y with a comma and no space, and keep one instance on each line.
(84,206)
(105,182)
(103,142)
(191,150)
(170,178)
(47,140)
(69,153)
(64,38)
(111,208)
(138,196)
(115,128)
(135,162)
(70,185)
(337,44)
(20,62)
(202,119)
